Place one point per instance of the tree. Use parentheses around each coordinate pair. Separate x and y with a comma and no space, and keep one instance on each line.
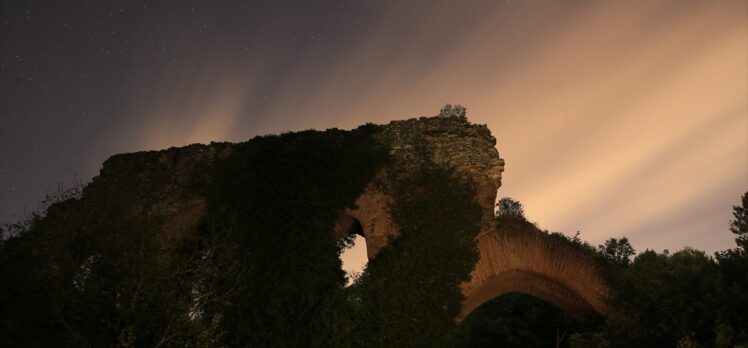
(619,251)
(739,225)
(510,208)
(733,265)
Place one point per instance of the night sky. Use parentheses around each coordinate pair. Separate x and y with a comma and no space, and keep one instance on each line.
(625,118)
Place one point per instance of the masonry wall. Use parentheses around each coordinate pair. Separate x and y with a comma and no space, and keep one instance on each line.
(517,257)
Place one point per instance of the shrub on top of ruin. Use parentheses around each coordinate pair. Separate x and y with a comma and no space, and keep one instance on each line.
(453,111)
(508,207)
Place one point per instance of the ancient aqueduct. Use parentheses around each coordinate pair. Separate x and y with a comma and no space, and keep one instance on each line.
(514,256)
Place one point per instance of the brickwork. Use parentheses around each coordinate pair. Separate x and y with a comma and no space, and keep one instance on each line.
(517,257)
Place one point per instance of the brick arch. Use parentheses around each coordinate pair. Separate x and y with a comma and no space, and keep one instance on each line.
(372,213)
(347,224)
(517,257)
(528,283)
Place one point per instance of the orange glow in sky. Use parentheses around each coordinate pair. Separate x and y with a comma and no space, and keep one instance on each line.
(624,118)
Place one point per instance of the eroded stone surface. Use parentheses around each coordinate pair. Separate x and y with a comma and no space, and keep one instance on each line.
(163,183)
(449,141)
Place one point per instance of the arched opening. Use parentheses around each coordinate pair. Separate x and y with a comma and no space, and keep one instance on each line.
(518,257)
(353,253)
(532,284)
(517,320)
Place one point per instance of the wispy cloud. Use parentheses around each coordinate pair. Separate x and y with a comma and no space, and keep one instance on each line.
(623,118)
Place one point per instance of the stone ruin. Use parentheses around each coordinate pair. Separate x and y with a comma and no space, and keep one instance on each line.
(513,258)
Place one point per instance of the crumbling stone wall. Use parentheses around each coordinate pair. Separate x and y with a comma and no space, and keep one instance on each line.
(449,141)
(526,261)
(164,183)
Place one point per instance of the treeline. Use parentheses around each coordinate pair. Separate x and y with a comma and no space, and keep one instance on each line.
(681,299)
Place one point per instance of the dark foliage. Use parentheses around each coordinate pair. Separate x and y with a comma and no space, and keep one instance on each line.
(618,251)
(516,320)
(508,207)
(95,271)
(276,199)
(684,299)
(739,225)
(409,295)
(89,273)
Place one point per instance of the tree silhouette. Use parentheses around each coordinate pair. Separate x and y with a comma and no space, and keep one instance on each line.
(739,225)
(508,207)
(619,251)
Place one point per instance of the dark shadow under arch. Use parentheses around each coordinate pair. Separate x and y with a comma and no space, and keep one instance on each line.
(355,228)
(347,225)
(532,284)
(517,320)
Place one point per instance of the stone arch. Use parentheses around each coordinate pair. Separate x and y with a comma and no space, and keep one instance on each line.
(353,258)
(347,224)
(517,257)
(372,214)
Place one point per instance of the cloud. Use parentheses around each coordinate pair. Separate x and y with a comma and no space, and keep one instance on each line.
(616,119)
